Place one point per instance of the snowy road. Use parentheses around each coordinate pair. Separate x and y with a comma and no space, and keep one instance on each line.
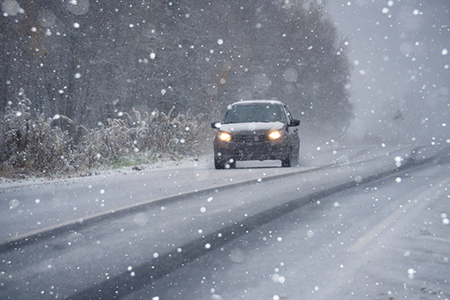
(388,239)
(351,225)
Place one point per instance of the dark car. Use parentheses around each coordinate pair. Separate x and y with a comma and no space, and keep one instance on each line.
(256,130)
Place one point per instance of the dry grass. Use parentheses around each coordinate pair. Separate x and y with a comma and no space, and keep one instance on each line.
(36,145)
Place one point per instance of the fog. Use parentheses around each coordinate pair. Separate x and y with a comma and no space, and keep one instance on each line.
(399,51)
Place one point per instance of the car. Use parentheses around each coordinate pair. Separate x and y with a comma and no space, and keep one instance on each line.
(256,130)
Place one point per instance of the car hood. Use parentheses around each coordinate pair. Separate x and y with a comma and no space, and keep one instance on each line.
(251,127)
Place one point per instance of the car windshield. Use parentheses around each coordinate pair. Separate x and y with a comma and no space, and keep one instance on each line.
(254,113)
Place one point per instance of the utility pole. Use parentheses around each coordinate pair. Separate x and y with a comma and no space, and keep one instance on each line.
(398,116)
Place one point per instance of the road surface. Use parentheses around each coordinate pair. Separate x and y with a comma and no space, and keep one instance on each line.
(356,223)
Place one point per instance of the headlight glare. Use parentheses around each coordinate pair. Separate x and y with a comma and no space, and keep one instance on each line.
(274,135)
(224,136)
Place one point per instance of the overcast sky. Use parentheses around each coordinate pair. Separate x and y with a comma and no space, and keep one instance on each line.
(399,50)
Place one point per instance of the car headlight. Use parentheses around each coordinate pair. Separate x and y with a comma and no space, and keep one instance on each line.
(274,135)
(224,136)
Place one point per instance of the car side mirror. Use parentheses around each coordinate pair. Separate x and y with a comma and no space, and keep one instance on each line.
(215,125)
(295,122)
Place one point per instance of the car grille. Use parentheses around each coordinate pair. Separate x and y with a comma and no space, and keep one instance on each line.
(249,138)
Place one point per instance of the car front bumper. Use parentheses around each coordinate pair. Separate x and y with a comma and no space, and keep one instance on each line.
(239,151)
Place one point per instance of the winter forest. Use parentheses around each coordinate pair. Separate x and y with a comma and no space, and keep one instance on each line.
(90,60)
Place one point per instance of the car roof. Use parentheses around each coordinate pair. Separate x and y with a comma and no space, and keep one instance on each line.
(261,102)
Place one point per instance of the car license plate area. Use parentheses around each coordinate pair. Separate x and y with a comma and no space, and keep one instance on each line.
(249,139)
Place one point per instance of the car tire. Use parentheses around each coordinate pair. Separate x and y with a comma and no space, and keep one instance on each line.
(295,159)
(232,165)
(286,162)
(218,164)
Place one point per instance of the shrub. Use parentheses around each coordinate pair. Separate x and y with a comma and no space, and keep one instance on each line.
(156,132)
(32,144)
(36,145)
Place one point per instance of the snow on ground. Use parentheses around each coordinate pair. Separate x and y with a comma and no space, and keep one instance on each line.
(203,161)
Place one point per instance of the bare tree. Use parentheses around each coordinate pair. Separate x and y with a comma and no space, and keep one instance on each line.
(200,55)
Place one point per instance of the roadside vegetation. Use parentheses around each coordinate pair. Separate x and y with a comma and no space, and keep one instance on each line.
(38,145)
